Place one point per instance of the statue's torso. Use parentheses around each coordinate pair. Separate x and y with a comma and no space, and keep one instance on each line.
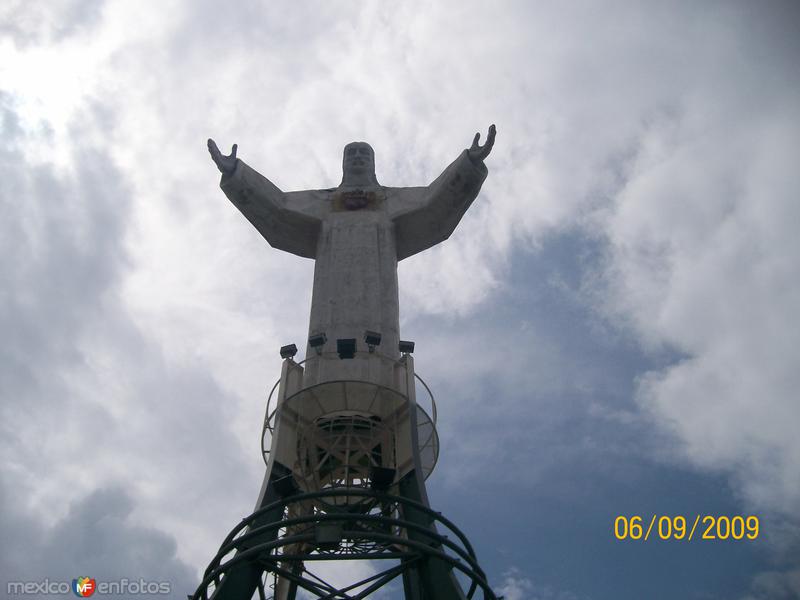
(355,273)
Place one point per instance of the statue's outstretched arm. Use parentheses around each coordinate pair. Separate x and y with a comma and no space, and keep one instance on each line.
(285,225)
(431,214)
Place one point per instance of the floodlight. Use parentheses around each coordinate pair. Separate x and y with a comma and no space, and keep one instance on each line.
(328,535)
(288,351)
(286,486)
(372,339)
(381,478)
(316,341)
(346,347)
(406,347)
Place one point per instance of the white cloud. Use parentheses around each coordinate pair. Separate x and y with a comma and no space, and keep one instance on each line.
(703,259)
(96,538)
(516,586)
(775,585)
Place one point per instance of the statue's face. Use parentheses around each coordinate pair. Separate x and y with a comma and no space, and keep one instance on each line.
(359,159)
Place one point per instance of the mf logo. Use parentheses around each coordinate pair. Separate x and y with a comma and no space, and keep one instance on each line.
(84,586)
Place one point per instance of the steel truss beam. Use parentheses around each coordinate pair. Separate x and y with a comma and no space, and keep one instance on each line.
(425,555)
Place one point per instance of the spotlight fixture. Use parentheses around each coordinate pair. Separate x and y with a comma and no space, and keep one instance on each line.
(328,535)
(372,339)
(286,486)
(406,347)
(381,478)
(346,347)
(316,341)
(288,351)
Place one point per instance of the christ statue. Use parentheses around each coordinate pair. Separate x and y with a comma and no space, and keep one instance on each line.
(356,233)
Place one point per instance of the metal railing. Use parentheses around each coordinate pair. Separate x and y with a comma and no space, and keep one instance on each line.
(271,411)
(385,533)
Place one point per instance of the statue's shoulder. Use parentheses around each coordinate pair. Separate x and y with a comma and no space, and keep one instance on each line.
(306,196)
(324,193)
(401,200)
(313,203)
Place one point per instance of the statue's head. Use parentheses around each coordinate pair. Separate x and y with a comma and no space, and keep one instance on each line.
(358,164)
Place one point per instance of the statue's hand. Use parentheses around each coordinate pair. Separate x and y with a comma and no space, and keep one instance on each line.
(477,153)
(226,164)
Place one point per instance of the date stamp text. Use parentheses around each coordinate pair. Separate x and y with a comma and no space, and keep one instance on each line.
(703,527)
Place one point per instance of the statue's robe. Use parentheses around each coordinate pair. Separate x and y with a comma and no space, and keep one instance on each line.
(356,250)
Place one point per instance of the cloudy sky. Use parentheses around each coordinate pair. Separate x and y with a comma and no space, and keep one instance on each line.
(609,332)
